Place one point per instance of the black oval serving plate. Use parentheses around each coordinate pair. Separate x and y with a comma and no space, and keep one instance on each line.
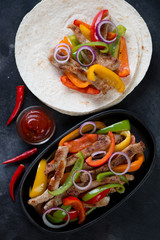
(109,117)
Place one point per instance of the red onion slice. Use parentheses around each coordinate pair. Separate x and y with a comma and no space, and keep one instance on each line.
(58,57)
(128,161)
(51,225)
(89,49)
(98,153)
(87,123)
(88,185)
(98,31)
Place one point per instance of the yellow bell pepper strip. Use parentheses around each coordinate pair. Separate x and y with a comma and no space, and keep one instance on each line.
(116,127)
(97,163)
(69,181)
(134,165)
(40,182)
(78,144)
(120,146)
(110,77)
(85,31)
(76,81)
(75,133)
(124,69)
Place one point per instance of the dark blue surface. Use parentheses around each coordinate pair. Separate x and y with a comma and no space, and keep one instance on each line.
(139,217)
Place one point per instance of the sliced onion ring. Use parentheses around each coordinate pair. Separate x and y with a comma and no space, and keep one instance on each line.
(87,123)
(98,31)
(89,49)
(58,57)
(97,153)
(88,185)
(51,225)
(128,161)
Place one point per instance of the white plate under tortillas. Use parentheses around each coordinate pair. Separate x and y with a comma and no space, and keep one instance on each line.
(46,24)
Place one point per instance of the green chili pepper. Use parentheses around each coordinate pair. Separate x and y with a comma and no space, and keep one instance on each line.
(116,127)
(92,44)
(100,176)
(69,181)
(100,189)
(114,47)
(58,215)
(74,40)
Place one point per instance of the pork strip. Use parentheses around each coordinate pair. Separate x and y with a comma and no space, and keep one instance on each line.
(77,33)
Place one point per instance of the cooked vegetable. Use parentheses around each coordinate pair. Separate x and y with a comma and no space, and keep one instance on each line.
(69,181)
(85,31)
(78,23)
(77,205)
(103,175)
(127,165)
(88,90)
(92,44)
(59,215)
(89,183)
(123,70)
(91,50)
(116,127)
(19,100)
(14,179)
(73,40)
(85,124)
(81,143)
(97,163)
(40,181)
(76,81)
(59,58)
(22,156)
(109,76)
(98,31)
(120,146)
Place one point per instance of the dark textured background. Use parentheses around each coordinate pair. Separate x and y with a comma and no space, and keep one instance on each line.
(139,217)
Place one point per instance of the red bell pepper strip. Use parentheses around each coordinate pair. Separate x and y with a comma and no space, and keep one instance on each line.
(102,14)
(88,90)
(77,205)
(81,143)
(22,156)
(123,70)
(73,214)
(14,179)
(100,162)
(98,197)
(111,35)
(19,100)
(78,22)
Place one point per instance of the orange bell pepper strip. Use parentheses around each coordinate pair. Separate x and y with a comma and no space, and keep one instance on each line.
(139,159)
(65,40)
(76,81)
(123,70)
(78,22)
(77,145)
(77,205)
(97,163)
(74,134)
(88,90)
(111,35)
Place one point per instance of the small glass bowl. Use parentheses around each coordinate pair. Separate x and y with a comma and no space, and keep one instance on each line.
(44,110)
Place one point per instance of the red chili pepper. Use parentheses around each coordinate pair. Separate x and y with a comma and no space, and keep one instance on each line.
(22,156)
(77,205)
(81,143)
(78,22)
(88,90)
(19,100)
(14,179)
(98,197)
(102,14)
(100,162)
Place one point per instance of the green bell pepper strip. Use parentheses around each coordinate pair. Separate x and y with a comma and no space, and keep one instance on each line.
(92,44)
(116,127)
(100,176)
(87,213)
(69,181)
(58,215)
(114,47)
(74,40)
(100,189)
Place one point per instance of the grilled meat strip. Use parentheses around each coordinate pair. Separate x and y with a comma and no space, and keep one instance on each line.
(102,203)
(107,61)
(59,166)
(77,33)
(131,150)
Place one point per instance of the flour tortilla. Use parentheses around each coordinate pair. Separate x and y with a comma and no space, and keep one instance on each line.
(46,24)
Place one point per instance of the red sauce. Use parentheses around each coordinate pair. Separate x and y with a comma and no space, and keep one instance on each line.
(36,126)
